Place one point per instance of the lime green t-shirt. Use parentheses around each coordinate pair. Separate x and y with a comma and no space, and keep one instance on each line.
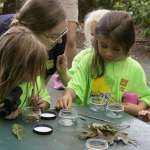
(27,89)
(119,77)
(77,60)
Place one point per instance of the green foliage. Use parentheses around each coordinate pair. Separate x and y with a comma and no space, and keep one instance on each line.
(85,6)
(139,9)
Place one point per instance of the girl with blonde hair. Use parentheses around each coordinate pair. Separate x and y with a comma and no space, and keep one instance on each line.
(22,60)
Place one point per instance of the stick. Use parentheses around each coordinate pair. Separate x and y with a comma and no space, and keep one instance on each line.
(91,117)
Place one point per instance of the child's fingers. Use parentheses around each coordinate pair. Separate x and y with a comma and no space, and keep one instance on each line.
(60,59)
(143,113)
(59,103)
(13,115)
(61,62)
(44,105)
(69,103)
(35,98)
(65,103)
(149,117)
(39,101)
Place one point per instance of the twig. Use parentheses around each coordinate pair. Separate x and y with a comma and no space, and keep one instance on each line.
(91,117)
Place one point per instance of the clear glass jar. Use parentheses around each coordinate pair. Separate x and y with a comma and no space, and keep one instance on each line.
(31,114)
(96,144)
(115,110)
(96,103)
(67,117)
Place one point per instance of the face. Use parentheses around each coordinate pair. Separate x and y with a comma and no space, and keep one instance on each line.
(109,50)
(51,37)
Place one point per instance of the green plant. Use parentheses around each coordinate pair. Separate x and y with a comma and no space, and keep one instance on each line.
(139,10)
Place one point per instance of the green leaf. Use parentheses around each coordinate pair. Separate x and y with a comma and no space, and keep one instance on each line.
(18,130)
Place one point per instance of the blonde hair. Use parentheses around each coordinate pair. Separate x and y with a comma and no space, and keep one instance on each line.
(22,57)
(90,24)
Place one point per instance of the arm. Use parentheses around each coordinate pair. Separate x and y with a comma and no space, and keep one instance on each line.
(70,49)
(134,109)
(41,97)
(62,69)
(78,87)
(139,86)
(71,9)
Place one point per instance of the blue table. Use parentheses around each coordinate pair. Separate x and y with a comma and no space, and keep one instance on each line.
(63,138)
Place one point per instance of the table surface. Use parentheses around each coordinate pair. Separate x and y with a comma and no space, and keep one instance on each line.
(64,138)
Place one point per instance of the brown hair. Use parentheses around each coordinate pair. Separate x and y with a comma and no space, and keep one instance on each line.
(117,26)
(21,53)
(40,15)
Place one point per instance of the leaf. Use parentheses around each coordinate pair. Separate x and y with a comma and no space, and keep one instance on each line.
(18,131)
(124,138)
(107,132)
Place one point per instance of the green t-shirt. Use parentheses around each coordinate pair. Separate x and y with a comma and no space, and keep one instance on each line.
(119,77)
(77,60)
(27,89)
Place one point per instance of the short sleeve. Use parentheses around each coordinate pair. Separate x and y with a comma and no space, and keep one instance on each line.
(80,81)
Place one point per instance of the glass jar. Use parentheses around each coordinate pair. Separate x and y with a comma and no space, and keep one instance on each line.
(31,114)
(115,110)
(96,144)
(96,103)
(67,117)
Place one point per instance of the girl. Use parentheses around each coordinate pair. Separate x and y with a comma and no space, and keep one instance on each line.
(89,26)
(46,22)
(46,19)
(108,68)
(22,60)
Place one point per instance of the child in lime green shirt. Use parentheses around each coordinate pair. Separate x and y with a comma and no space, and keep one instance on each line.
(108,68)
(23,58)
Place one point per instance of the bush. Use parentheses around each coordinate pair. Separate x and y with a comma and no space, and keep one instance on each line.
(139,9)
(85,6)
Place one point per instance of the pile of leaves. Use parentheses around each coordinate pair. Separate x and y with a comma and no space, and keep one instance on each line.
(107,132)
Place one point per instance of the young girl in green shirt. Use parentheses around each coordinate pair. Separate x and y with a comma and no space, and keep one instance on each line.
(108,67)
(22,61)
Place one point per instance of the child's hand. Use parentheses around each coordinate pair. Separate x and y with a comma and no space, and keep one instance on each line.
(144,114)
(13,115)
(39,102)
(61,64)
(64,102)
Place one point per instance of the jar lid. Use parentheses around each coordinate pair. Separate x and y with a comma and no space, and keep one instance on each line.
(43,129)
(48,115)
